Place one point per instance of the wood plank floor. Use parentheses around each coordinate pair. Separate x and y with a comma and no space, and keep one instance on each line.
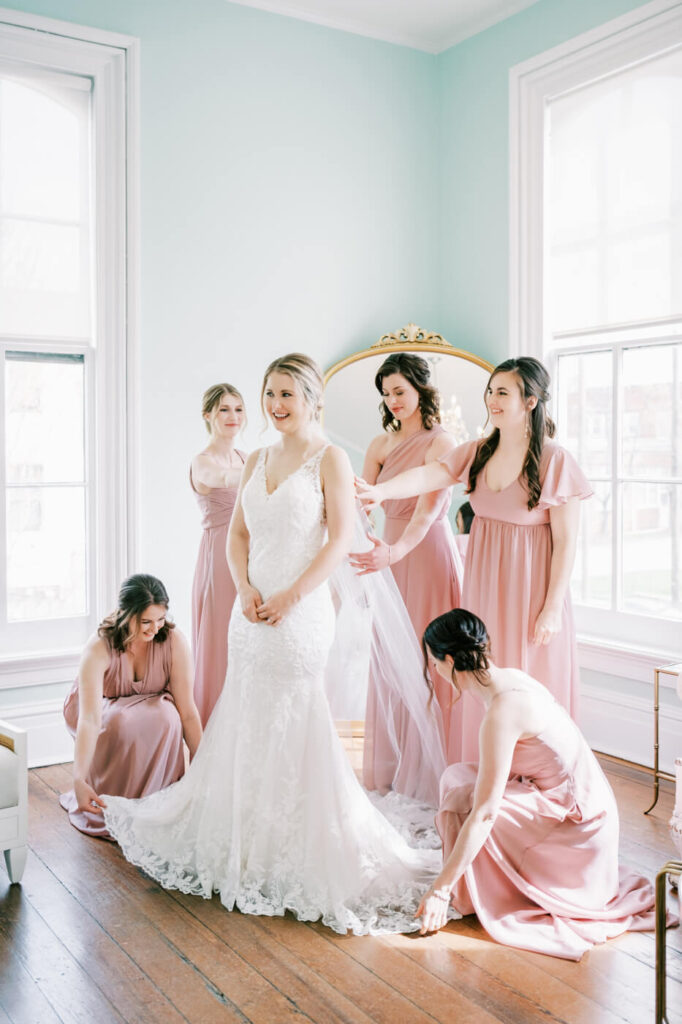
(87,938)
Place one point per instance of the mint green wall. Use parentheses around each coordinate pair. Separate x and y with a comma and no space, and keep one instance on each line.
(473,91)
(288,201)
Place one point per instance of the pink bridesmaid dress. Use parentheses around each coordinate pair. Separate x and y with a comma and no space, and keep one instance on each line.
(507,572)
(547,878)
(139,748)
(429,579)
(213,595)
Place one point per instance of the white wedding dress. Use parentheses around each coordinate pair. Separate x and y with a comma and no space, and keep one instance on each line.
(270,814)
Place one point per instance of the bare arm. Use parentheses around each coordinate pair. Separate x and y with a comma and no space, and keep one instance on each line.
(181,687)
(563,521)
(500,731)
(90,681)
(207,475)
(238,548)
(422,519)
(374,459)
(434,476)
(337,485)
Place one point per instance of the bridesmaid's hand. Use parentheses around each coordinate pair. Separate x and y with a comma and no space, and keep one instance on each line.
(371,561)
(250,599)
(547,625)
(368,495)
(276,607)
(87,798)
(433,910)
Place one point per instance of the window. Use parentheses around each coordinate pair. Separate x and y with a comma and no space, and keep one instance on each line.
(63,257)
(598,291)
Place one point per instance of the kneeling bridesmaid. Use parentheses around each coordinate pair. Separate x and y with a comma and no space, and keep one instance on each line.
(530,833)
(131,706)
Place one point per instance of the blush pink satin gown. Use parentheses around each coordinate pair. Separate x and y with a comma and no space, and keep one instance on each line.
(429,579)
(213,595)
(506,577)
(139,749)
(547,878)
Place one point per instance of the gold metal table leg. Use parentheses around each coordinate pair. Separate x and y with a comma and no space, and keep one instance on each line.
(673,867)
(656,780)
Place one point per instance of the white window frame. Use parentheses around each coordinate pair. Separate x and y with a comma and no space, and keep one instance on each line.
(649,30)
(112,62)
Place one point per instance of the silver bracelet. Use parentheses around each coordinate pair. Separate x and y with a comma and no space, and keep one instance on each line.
(441,894)
(389,554)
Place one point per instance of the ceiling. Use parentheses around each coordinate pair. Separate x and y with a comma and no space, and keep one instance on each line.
(430,25)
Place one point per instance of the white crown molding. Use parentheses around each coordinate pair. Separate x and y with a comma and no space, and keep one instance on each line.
(351,25)
(426,43)
(476,25)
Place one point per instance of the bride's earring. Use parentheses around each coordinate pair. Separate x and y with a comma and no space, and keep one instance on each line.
(529,413)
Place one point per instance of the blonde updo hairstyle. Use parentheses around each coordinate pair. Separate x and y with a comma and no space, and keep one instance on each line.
(213,397)
(306,375)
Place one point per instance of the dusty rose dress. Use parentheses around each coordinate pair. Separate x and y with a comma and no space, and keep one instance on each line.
(213,595)
(139,749)
(547,878)
(507,575)
(429,579)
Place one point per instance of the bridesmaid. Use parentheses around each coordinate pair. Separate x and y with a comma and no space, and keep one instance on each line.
(214,478)
(418,544)
(130,706)
(530,832)
(524,490)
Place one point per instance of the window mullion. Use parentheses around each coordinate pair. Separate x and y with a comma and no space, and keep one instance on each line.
(616,485)
(3,500)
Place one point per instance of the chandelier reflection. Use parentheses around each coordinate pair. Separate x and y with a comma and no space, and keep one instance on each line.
(453,421)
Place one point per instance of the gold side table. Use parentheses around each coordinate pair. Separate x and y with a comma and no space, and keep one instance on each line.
(662,670)
(673,867)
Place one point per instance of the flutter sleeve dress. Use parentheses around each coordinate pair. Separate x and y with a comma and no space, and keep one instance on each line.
(213,595)
(139,748)
(507,572)
(429,579)
(547,878)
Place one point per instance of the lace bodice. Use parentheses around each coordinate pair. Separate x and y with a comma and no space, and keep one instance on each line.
(287,528)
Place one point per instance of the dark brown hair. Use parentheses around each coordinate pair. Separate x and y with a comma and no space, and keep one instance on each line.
(137,593)
(415,370)
(463,636)
(534,383)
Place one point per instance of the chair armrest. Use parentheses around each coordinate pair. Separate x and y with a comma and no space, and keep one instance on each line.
(15,739)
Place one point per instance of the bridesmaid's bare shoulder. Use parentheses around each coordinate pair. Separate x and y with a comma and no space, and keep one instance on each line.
(443,443)
(379,447)
(96,652)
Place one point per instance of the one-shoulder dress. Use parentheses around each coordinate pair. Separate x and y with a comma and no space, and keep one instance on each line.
(139,748)
(213,594)
(429,579)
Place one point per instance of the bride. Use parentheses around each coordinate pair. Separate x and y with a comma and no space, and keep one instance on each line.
(270,814)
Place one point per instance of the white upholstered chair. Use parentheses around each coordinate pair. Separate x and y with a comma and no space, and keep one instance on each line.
(13,799)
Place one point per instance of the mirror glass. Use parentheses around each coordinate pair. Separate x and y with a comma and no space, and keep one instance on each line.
(351,401)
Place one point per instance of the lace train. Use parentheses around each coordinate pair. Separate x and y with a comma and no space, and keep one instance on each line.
(270,814)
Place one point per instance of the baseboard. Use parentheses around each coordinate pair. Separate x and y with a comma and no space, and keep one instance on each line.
(49,741)
(623,725)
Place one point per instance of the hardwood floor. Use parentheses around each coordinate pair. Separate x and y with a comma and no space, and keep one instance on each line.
(87,938)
